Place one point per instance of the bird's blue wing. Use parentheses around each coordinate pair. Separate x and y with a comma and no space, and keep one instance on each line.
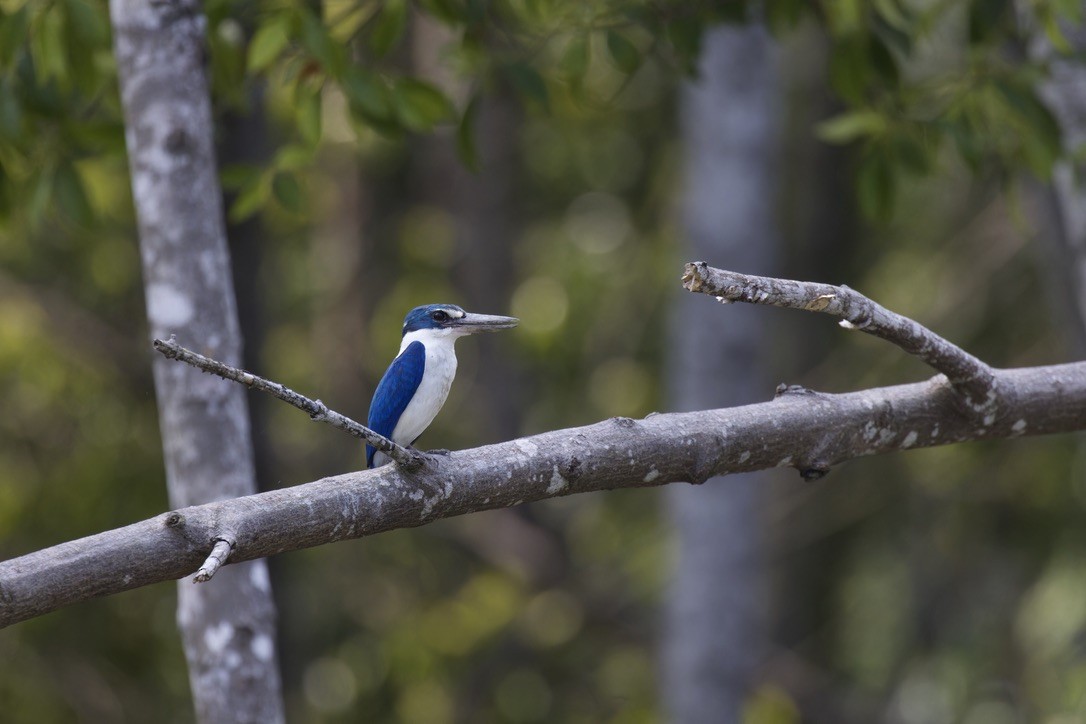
(396,389)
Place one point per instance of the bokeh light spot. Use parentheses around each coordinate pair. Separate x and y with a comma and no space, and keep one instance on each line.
(551,619)
(427,236)
(523,696)
(329,685)
(598,223)
(541,303)
(426,702)
(620,386)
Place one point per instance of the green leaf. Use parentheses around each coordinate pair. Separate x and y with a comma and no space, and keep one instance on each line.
(87,24)
(316,39)
(465,136)
(875,187)
(71,196)
(1041,141)
(574,62)
(895,13)
(1042,125)
(848,68)
(986,18)
(960,129)
(1055,34)
(1023,100)
(292,158)
(388,27)
(784,15)
(624,53)
(238,175)
(420,106)
(912,154)
(450,12)
(851,125)
(40,196)
(287,191)
(251,199)
(48,47)
(367,95)
(269,41)
(5,194)
(308,116)
(12,34)
(882,60)
(11,113)
(731,13)
(684,34)
(529,83)
(893,36)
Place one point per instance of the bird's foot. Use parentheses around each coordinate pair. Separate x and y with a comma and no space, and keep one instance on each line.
(440,451)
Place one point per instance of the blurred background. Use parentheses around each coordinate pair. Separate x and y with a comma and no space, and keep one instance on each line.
(560,163)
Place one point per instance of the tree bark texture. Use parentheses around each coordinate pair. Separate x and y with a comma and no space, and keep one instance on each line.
(714,633)
(806,430)
(228,629)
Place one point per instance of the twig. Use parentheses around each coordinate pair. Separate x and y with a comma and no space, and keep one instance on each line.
(215,560)
(971,379)
(317,410)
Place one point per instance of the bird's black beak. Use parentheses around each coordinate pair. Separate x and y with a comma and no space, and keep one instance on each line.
(471,323)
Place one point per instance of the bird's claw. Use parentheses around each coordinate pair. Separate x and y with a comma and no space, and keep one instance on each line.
(440,451)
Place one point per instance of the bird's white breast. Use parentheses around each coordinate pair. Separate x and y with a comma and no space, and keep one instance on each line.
(437,378)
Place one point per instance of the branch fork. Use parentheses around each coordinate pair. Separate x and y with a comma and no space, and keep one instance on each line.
(220,551)
(973,381)
(405,457)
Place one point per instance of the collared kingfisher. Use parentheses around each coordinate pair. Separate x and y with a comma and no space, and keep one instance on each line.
(417,383)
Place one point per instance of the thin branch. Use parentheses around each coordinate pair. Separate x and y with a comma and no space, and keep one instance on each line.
(215,560)
(317,410)
(971,378)
(806,430)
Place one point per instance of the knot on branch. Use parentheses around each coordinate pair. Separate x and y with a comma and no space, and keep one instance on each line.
(814,471)
(786,389)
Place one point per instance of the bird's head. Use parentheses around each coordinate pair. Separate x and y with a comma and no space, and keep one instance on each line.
(449,320)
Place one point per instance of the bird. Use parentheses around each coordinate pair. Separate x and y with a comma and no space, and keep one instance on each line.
(417,383)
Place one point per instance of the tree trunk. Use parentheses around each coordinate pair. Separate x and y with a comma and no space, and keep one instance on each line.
(714,630)
(1063,206)
(227,625)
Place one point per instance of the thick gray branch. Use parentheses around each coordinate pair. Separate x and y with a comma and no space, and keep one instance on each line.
(806,430)
(316,409)
(971,378)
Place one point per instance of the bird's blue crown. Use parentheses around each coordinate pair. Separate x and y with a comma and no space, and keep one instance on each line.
(431,316)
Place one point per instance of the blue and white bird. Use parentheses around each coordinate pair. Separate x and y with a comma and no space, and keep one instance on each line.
(417,383)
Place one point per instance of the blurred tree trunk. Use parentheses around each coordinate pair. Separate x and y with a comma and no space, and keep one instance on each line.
(228,625)
(714,633)
(1063,205)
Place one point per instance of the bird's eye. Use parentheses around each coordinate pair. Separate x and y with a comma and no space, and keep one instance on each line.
(439,316)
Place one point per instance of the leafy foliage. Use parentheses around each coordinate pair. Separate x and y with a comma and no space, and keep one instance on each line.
(544,614)
(908,96)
